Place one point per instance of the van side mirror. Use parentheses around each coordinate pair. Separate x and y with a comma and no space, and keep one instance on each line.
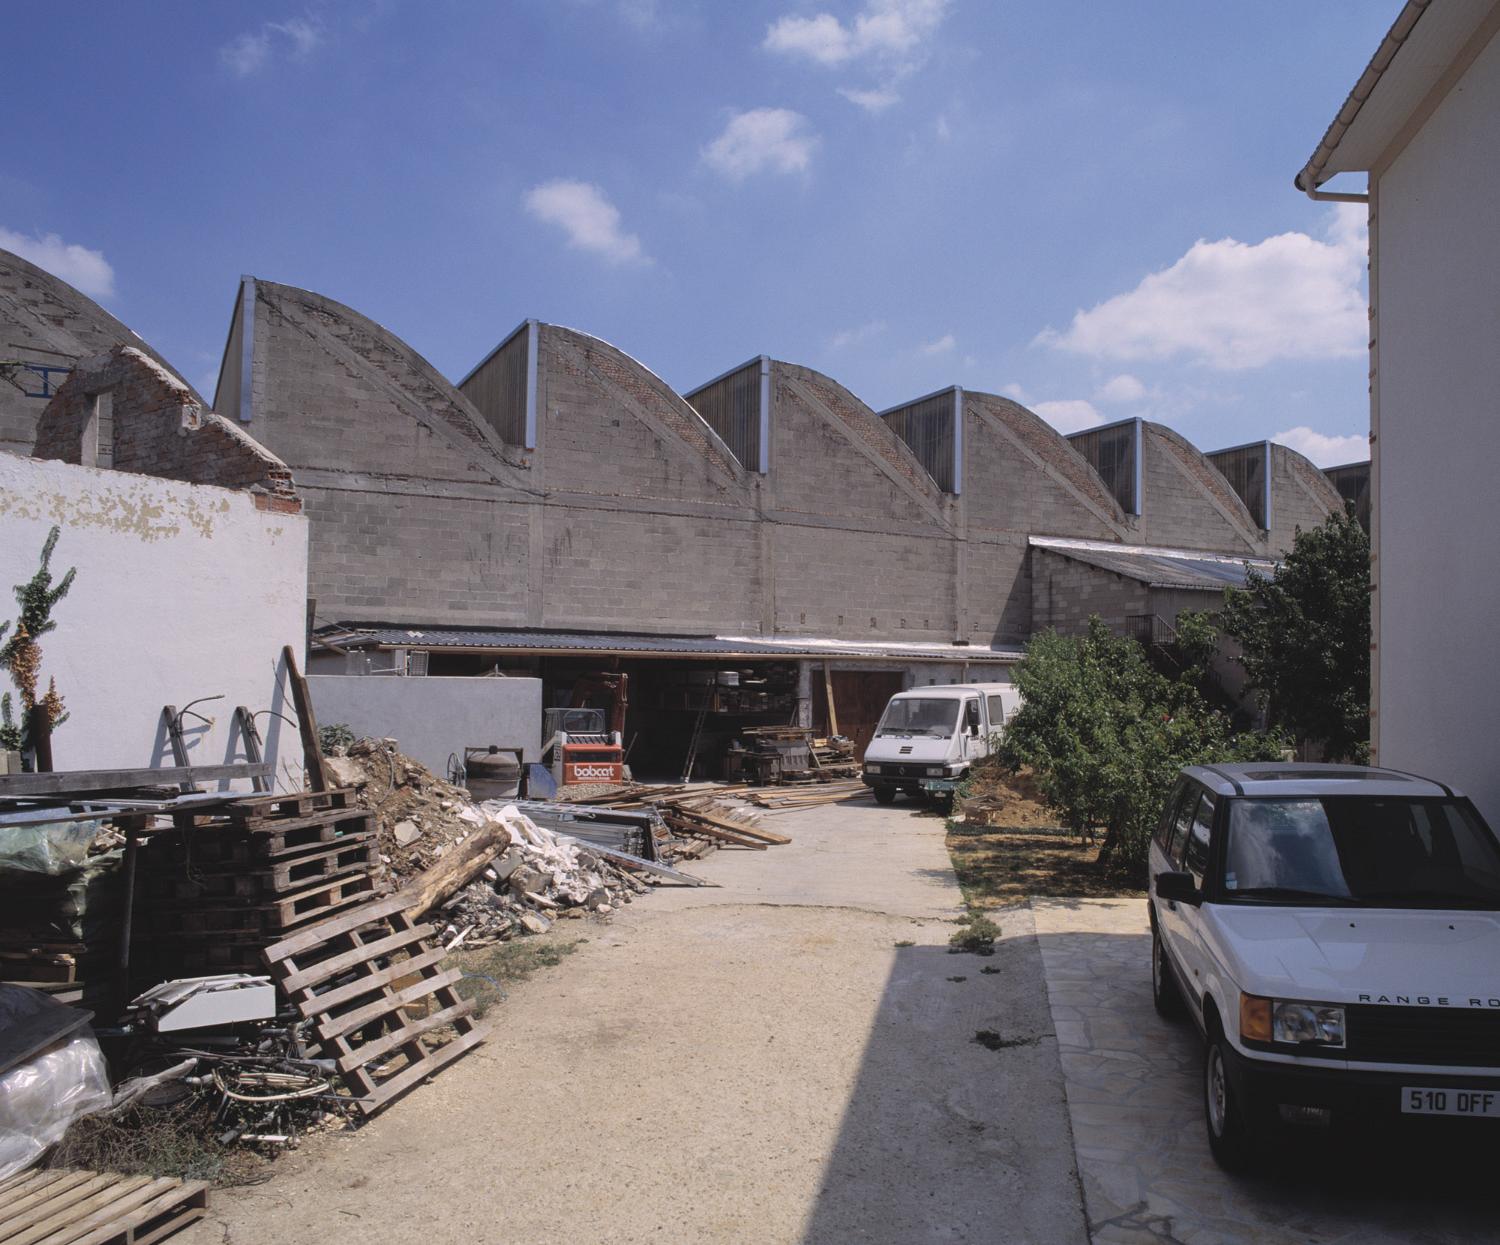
(1177,888)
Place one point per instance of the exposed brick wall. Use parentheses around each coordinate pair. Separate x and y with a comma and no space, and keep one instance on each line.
(157,427)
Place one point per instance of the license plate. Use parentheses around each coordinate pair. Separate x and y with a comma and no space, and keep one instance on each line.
(1470,1102)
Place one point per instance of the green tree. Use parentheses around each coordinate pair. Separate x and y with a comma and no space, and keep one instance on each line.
(1106,734)
(1305,632)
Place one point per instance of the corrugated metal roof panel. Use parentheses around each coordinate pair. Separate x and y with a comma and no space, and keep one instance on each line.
(1160,568)
(607,642)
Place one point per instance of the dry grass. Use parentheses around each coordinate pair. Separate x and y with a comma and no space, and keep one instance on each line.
(1008,847)
(490,969)
(176,1141)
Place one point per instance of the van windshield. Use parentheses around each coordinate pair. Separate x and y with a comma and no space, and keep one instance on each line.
(1362,850)
(919,715)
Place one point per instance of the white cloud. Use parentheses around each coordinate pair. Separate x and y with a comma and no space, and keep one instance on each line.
(852,337)
(1069,414)
(1121,388)
(876,100)
(248,53)
(1233,305)
(591,221)
(83,269)
(882,30)
(1324,450)
(943,345)
(762,140)
(1015,390)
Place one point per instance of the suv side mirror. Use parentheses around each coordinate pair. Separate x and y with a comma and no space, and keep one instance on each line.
(1177,888)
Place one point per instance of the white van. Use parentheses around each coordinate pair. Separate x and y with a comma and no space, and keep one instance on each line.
(928,737)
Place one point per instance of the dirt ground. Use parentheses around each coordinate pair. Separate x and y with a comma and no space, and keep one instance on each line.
(792,1056)
(1007,845)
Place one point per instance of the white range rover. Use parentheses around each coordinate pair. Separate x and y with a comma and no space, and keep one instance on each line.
(1335,933)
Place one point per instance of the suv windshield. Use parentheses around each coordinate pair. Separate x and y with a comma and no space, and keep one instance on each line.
(1370,851)
(917,715)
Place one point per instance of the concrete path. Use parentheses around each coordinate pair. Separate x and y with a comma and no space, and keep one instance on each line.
(1133,1086)
(765,1062)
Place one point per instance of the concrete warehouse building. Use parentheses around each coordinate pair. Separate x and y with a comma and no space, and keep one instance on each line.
(763,548)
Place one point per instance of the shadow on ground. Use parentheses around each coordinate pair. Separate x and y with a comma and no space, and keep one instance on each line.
(955,1128)
(1133,1084)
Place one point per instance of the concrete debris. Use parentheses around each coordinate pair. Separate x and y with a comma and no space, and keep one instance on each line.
(406,833)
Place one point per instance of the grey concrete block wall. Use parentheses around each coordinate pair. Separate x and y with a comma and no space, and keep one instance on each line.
(432,718)
(1301,496)
(1068,593)
(631,515)
(1187,503)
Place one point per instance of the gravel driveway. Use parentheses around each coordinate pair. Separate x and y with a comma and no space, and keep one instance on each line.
(761,1062)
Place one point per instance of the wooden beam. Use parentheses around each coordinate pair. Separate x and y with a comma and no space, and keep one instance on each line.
(80,781)
(307,724)
(833,714)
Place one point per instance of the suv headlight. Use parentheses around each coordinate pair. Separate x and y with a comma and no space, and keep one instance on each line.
(1307,1022)
(1295,1024)
(872,769)
(935,771)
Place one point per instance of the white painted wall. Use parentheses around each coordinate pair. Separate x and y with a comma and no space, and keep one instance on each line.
(1436,284)
(433,717)
(183,590)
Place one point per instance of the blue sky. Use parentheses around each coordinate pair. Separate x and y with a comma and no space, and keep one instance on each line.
(1087,206)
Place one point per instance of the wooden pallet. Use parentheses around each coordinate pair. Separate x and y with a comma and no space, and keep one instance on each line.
(372,982)
(273,918)
(255,811)
(358,853)
(96,1208)
(224,842)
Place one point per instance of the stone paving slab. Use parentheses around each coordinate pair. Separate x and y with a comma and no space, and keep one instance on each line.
(1133,1088)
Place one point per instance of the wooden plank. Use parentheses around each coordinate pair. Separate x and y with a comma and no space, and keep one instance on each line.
(81,781)
(64,1218)
(102,1213)
(170,1211)
(336,1026)
(695,825)
(27,1190)
(737,826)
(315,935)
(409,1032)
(305,978)
(408,1078)
(307,724)
(322,1004)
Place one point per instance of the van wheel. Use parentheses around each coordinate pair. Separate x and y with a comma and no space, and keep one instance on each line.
(1235,1125)
(885,795)
(1164,991)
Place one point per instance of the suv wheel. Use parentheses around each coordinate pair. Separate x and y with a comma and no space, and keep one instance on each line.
(1164,991)
(1234,1125)
(884,794)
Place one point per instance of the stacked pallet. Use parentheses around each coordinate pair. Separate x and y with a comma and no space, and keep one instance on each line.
(221,883)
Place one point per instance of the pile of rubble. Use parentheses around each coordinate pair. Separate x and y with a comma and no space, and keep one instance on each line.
(417,814)
(423,821)
(537,880)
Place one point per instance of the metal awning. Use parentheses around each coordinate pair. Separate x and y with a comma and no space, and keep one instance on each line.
(1189,569)
(563,643)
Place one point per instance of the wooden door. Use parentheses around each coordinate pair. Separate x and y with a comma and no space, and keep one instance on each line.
(859,698)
